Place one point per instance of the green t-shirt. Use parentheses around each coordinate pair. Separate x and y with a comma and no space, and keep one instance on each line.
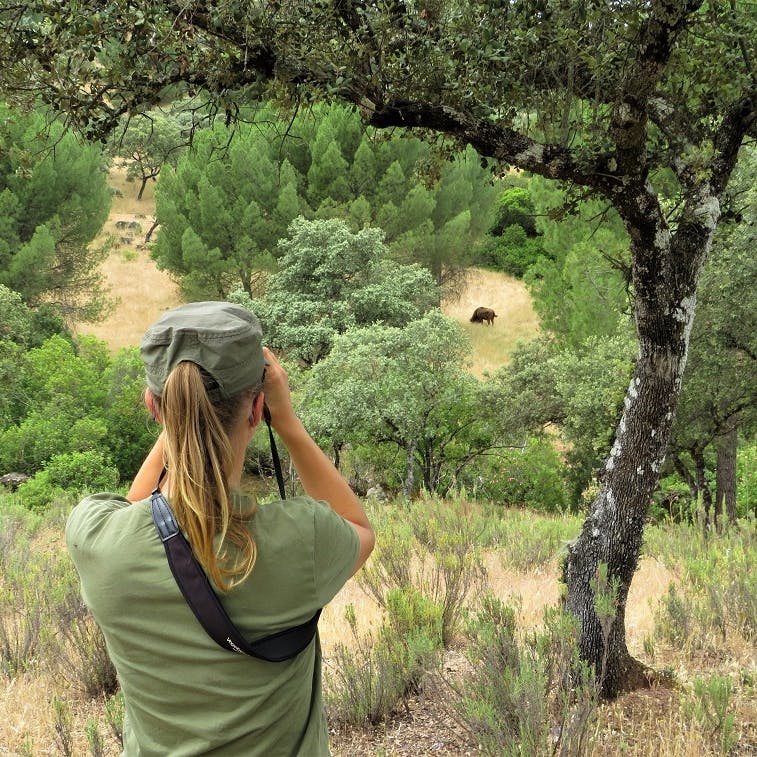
(184,694)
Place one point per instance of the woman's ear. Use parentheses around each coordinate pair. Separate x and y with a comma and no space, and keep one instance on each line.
(256,413)
(151,405)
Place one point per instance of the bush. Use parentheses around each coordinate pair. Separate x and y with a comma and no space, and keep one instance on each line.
(528,695)
(515,252)
(431,547)
(530,477)
(26,578)
(75,474)
(716,594)
(368,681)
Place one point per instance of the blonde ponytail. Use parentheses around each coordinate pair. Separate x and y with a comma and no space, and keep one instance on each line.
(199,458)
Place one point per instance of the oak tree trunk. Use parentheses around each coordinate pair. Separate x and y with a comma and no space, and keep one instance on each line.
(665,273)
(703,487)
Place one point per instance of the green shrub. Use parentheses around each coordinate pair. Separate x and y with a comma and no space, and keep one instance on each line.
(515,252)
(672,502)
(25,580)
(716,592)
(63,721)
(94,738)
(75,474)
(432,547)
(369,679)
(530,477)
(711,707)
(525,695)
(514,207)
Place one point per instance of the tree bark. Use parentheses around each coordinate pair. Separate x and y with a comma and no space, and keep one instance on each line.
(665,274)
(703,488)
(410,470)
(725,477)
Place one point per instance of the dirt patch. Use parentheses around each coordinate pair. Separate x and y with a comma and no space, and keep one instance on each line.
(140,291)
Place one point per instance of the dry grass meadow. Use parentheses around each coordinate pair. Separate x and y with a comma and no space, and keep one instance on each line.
(643,723)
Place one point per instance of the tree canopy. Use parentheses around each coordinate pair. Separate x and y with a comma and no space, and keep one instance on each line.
(330,280)
(54,199)
(409,388)
(232,197)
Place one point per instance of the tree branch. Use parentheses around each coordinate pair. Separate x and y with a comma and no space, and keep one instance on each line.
(491,140)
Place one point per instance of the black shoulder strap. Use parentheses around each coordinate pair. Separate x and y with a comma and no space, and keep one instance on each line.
(206,606)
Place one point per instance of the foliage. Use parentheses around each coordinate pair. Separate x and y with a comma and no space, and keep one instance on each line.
(369,680)
(716,595)
(409,388)
(229,201)
(527,540)
(63,726)
(579,285)
(129,433)
(514,252)
(530,476)
(746,468)
(330,279)
(114,715)
(53,201)
(147,141)
(719,393)
(429,547)
(515,208)
(26,326)
(73,400)
(518,694)
(74,473)
(23,612)
(580,389)
(514,244)
(711,707)
(621,104)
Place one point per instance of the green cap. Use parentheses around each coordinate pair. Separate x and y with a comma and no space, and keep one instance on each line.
(223,338)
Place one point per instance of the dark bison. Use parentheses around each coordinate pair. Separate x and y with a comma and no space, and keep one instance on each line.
(483,314)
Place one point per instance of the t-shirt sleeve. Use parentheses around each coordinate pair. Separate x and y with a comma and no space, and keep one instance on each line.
(85,526)
(336,550)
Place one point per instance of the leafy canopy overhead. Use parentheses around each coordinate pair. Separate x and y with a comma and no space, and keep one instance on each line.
(504,74)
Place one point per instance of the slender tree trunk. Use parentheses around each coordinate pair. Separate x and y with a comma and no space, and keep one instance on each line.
(665,274)
(337,454)
(685,474)
(725,489)
(151,230)
(410,469)
(145,179)
(697,455)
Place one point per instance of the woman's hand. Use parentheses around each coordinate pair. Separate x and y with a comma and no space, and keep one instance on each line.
(276,393)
